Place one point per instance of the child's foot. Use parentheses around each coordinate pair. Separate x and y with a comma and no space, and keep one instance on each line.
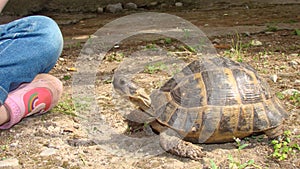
(36,97)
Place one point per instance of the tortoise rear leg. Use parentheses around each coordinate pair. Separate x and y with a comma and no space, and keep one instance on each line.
(179,147)
(275,133)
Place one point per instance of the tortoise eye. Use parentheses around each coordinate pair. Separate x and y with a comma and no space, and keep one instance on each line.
(122,81)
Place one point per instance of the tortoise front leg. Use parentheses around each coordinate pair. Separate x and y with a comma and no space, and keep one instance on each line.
(179,147)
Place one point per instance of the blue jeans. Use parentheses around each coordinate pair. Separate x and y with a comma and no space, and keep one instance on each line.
(28,46)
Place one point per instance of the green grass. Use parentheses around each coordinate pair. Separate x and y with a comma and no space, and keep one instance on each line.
(151,46)
(168,40)
(280,95)
(67,77)
(297,32)
(154,68)
(295,99)
(66,107)
(115,56)
(237,163)
(272,28)
(236,51)
(285,147)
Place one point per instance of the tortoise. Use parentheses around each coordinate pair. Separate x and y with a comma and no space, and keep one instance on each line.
(211,100)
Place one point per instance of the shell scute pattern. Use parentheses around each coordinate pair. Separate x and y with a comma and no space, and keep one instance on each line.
(245,119)
(214,100)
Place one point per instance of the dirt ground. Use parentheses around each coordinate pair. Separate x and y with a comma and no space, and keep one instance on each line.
(262,35)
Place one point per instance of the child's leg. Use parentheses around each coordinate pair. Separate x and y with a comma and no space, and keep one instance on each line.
(28,46)
(4,115)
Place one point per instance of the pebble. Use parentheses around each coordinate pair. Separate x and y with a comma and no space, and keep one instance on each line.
(293,63)
(294,54)
(247,33)
(153,3)
(265,56)
(290,92)
(297,82)
(9,163)
(256,43)
(48,152)
(61,59)
(15,144)
(131,6)
(178,4)
(163,5)
(114,8)
(268,33)
(274,78)
(100,10)
(216,41)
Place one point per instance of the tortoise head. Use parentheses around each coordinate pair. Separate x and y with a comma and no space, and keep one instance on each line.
(134,94)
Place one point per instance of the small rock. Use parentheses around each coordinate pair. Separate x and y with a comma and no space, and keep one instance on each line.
(293,63)
(268,33)
(61,59)
(48,152)
(116,46)
(172,48)
(290,92)
(178,4)
(247,33)
(274,78)
(216,41)
(297,82)
(15,144)
(9,163)
(163,5)
(153,3)
(294,54)
(256,43)
(81,37)
(114,8)
(100,10)
(131,6)
(265,56)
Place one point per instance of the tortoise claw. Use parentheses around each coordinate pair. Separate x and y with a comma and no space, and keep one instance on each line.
(179,147)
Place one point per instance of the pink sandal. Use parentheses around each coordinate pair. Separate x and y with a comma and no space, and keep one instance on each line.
(36,97)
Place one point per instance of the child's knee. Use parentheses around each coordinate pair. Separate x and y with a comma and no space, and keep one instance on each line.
(51,31)
(50,39)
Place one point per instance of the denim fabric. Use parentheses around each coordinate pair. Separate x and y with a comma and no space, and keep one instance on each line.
(28,46)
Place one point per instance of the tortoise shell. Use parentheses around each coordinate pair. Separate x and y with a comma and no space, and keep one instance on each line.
(213,100)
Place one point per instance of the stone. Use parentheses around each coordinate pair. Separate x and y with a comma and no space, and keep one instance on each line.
(114,8)
(216,41)
(153,4)
(163,5)
(293,63)
(290,92)
(178,4)
(15,144)
(10,163)
(131,6)
(256,43)
(48,152)
(100,10)
(297,82)
(268,33)
(294,54)
(274,78)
